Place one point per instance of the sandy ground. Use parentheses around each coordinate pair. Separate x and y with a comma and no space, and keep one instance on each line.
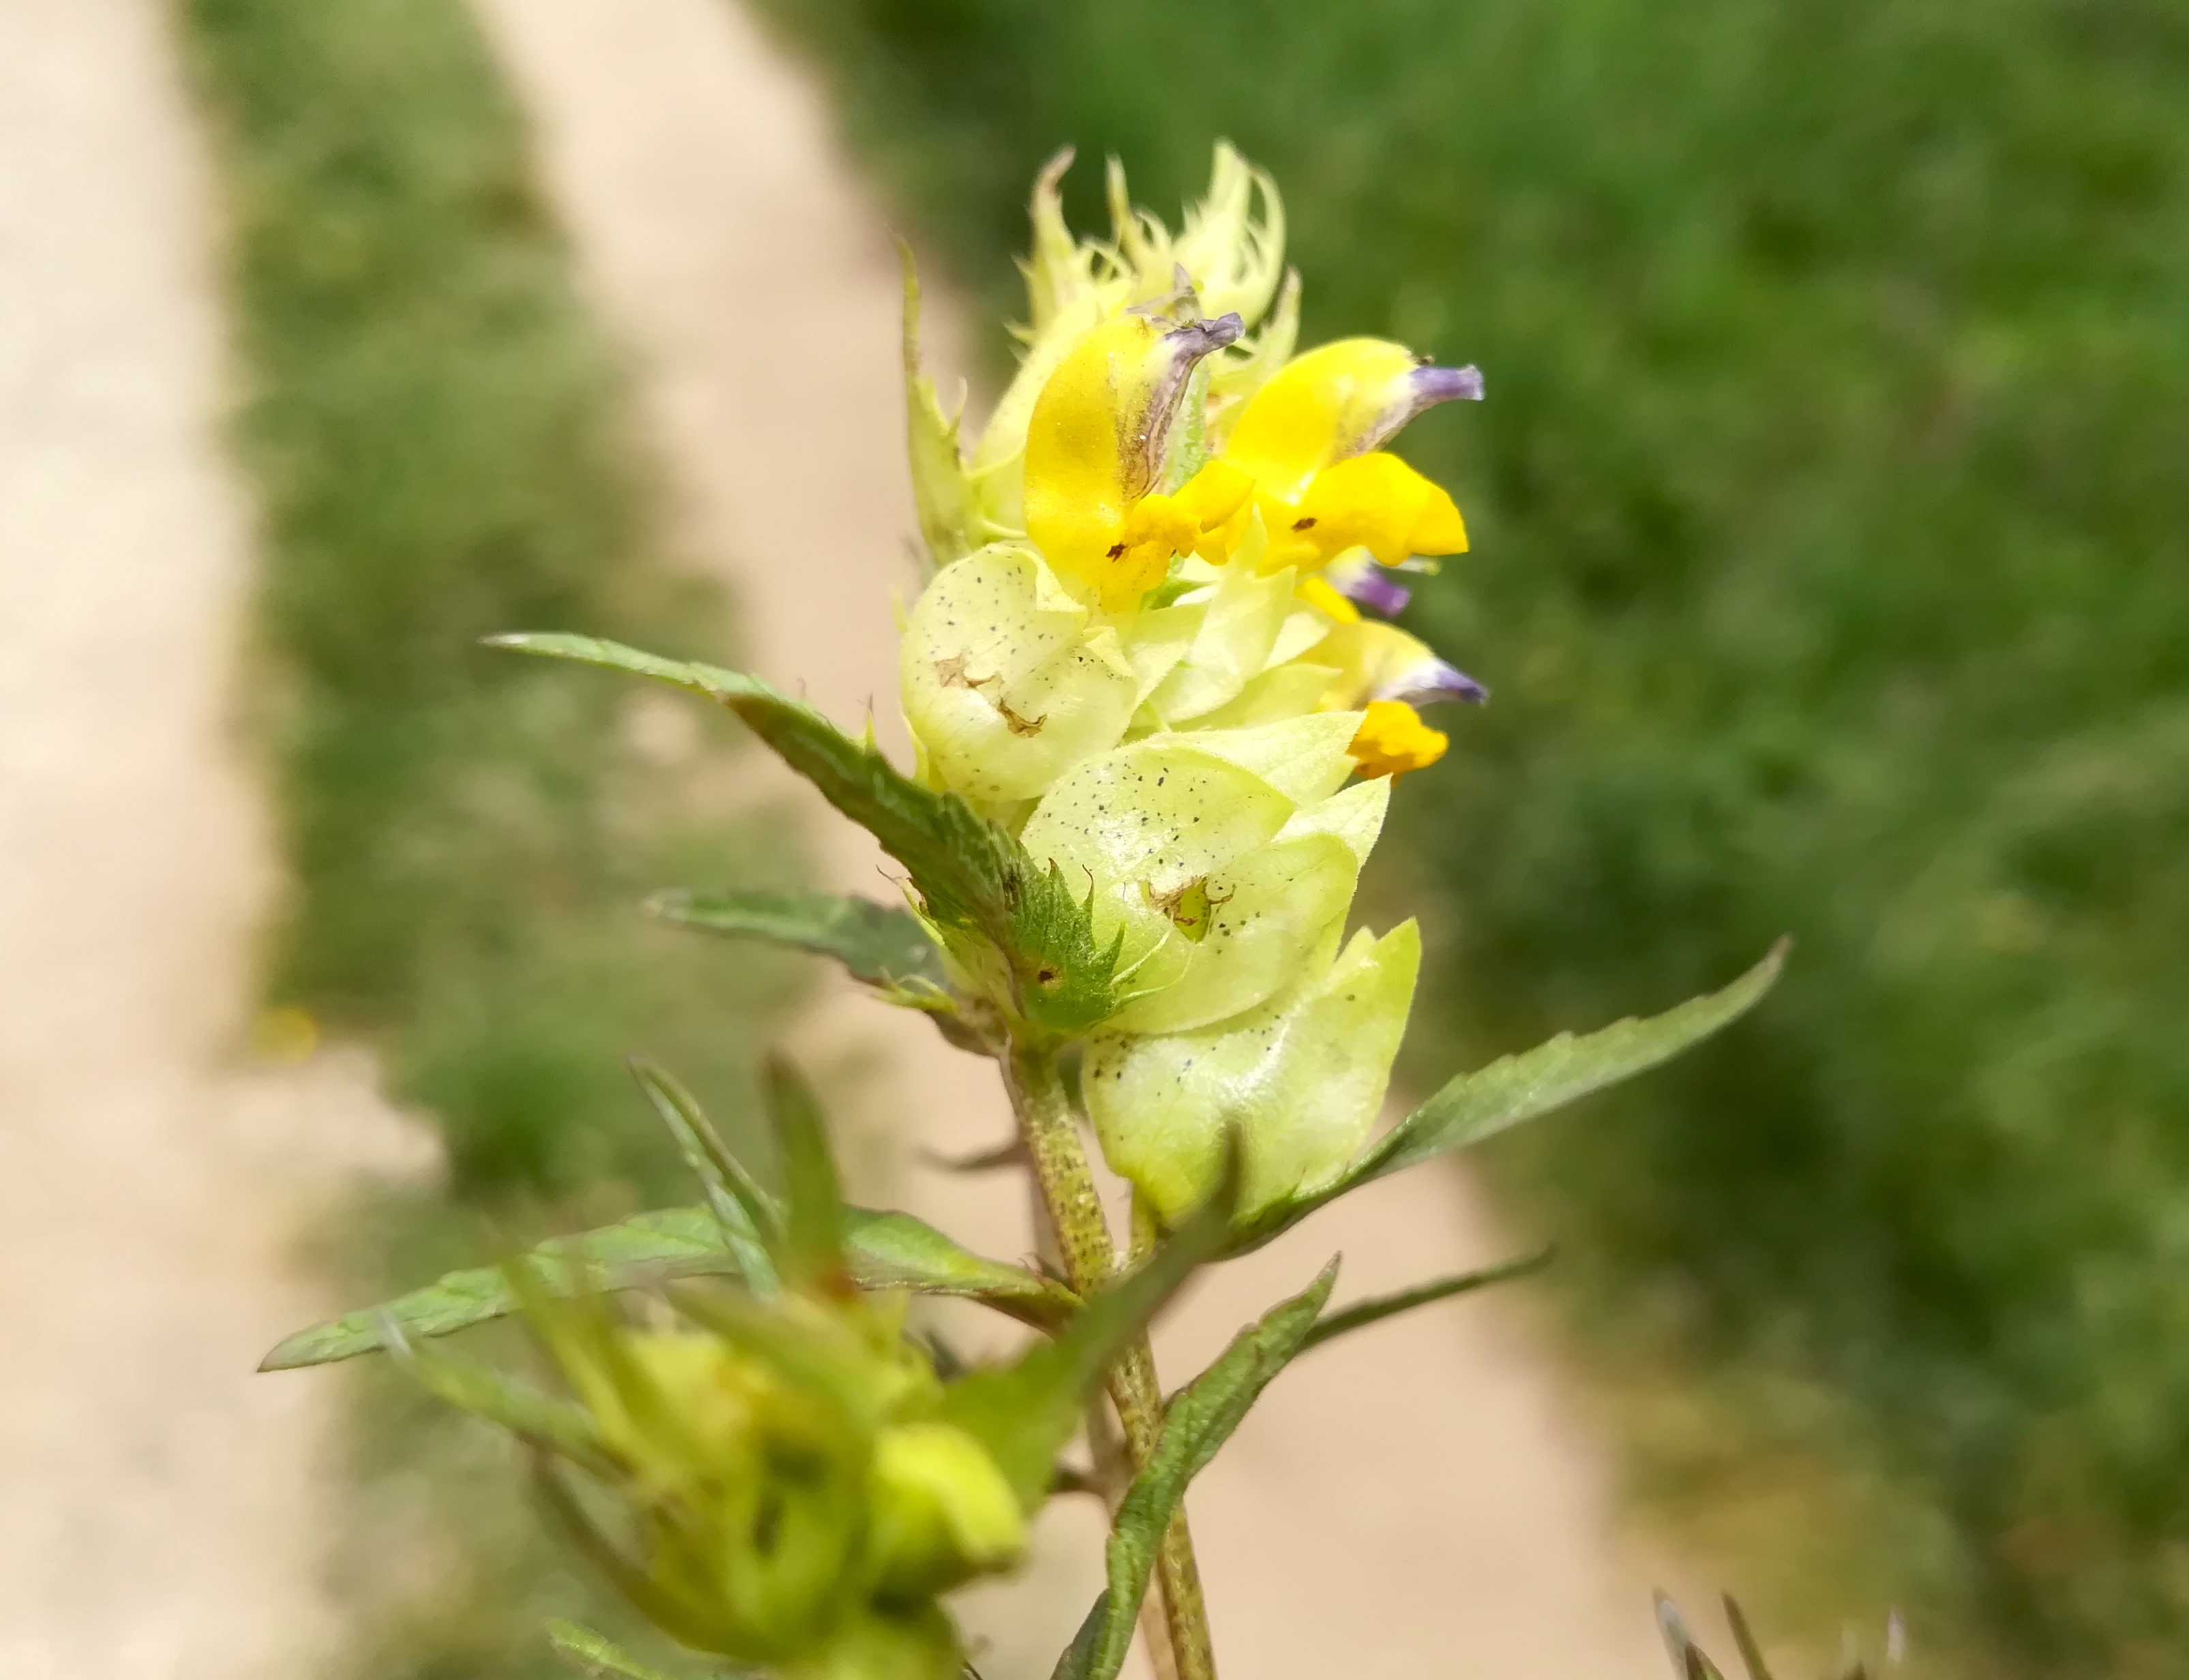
(1415,1502)
(156,1503)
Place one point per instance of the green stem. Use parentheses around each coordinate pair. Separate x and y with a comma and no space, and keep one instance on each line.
(1051,1131)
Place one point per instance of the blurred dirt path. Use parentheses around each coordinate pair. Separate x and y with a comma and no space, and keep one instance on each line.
(157,1502)
(1414,1503)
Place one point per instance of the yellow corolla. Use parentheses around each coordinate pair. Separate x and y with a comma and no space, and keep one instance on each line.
(1309,439)
(1095,450)
(1393,739)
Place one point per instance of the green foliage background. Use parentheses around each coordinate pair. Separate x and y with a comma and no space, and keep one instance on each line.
(1830,508)
(435,427)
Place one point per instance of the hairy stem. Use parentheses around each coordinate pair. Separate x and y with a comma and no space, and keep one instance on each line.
(1051,1131)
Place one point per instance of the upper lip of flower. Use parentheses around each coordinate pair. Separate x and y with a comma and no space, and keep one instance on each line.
(1146,433)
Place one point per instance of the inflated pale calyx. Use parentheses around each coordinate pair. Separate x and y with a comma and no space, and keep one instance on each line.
(1004,685)
(1222,858)
(1300,1078)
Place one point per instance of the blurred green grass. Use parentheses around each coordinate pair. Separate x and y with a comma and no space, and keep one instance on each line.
(1832,521)
(436,432)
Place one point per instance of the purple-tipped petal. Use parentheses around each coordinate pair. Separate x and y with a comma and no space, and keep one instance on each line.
(1434,385)
(1431,680)
(1371,586)
(1423,388)
(1196,339)
(1355,575)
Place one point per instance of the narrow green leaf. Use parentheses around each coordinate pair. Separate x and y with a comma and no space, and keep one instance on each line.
(1514,1089)
(884,1250)
(1024,1412)
(1377,1308)
(542,1420)
(1517,1088)
(673,1615)
(1688,1660)
(882,944)
(670,1242)
(813,1232)
(1199,1421)
(974,879)
(1077,1662)
(895,1251)
(749,1228)
(1744,1638)
(950,520)
(586,1651)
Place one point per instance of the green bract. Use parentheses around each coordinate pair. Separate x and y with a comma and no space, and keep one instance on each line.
(1003,683)
(1301,1079)
(1220,858)
(1237,639)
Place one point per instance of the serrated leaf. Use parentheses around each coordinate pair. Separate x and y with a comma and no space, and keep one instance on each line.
(1196,1423)
(591,1655)
(1024,1412)
(884,1251)
(974,879)
(883,945)
(1513,1088)
(1377,1308)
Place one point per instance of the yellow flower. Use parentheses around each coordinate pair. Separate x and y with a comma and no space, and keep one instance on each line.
(1309,441)
(1393,739)
(1094,454)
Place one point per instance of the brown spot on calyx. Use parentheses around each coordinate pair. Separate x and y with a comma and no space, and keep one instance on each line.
(952,673)
(1306,524)
(1187,906)
(1116,551)
(1017,725)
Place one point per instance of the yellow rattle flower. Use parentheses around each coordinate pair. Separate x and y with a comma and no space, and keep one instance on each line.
(1095,455)
(1309,439)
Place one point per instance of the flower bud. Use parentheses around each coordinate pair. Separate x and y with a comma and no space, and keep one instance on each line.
(942,1512)
(792,1497)
(884,1643)
(1300,1077)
